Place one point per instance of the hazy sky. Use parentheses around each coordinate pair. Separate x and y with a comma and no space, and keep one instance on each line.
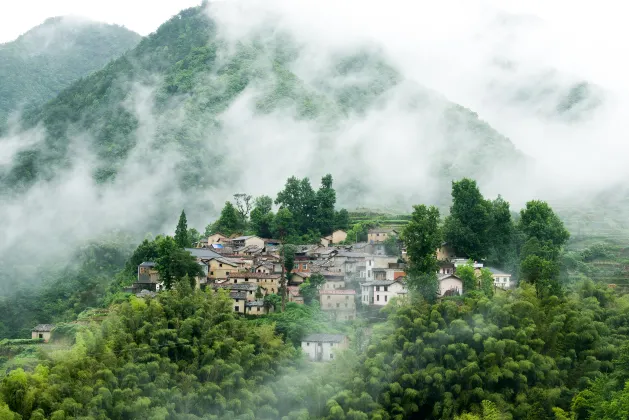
(142,16)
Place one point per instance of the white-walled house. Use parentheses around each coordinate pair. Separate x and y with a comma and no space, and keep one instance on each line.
(323,347)
(380,292)
(501,279)
(450,285)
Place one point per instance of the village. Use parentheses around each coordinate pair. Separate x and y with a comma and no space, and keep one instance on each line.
(356,276)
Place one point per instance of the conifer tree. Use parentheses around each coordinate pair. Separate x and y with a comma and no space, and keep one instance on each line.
(181,232)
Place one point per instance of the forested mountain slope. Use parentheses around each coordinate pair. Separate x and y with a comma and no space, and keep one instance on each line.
(180,90)
(50,57)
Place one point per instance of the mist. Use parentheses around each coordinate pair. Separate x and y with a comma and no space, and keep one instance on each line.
(511,66)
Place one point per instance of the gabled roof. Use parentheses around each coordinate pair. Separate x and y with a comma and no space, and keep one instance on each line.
(244,238)
(203,253)
(337,292)
(382,230)
(148,264)
(238,295)
(44,328)
(496,271)
(247,275)
(324,338)
(445,276)
(238,286)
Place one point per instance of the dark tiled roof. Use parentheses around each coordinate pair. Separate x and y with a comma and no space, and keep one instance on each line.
(378,283)
(203,253)
(44,328)
(496,271)
(337,292)
(148,264)
(325,338)
(237,286)
(255,303)
(244,275)
(238,295)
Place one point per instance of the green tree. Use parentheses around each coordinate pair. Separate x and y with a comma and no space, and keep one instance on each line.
(284,224)
(181,232)
(325,201)
(243,205)
(194,236)
(467,274)
(539,221)
(501,233)
(341,220)
(287,258)
(467,228)
(310,288)
(174,263)
(300,199)
(422,237)
(262,217)
(229,222)
(487,282)
(392,246)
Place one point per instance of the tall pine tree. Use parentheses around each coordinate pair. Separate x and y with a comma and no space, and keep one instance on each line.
(181,232)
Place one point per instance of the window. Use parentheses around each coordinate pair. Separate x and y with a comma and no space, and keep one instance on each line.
(211,273)
(235,281)
(338,305)
(304,266)
(346,305)
(378,298)
(328,297)
(308,343)
(346,297)
(331,356)
(377,288)
(220,265)
(386,288)
(236,308)
(385,297)
(258,309)
(41,335)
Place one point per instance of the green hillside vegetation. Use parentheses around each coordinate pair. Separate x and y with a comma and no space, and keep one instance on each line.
(549,349)
(50,57)
(196,77)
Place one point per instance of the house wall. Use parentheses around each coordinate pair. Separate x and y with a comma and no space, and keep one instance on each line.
(338,236)
(450,283)
(259,242)
(373,238)
(383,261)
(381,295)
(41,334)
(333,284)
(344,306)
(445,253)
(219,270)
(502,280)
(325,242)
(216,238)
(269,285)
(238,305)
(257,310)
(324,352)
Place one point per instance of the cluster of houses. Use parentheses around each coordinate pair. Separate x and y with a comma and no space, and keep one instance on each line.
(249,268)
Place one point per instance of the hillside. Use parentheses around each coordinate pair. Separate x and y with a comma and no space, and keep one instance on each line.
(177,94)
(50,57)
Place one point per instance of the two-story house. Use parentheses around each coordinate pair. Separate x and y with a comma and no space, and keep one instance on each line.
(380,292)
(379,235)
(501,279)
(270,283)
(323,347)
(335,237)
(340,303)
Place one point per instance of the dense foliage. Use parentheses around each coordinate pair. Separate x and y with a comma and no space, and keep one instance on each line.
(50,57)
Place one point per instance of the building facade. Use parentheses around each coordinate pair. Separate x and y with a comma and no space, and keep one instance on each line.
(323,347)
(340,303)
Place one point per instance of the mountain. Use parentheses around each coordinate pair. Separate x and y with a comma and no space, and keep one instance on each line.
(189,80)
(51,56)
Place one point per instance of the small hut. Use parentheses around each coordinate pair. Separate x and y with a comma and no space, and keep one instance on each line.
(42,331)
